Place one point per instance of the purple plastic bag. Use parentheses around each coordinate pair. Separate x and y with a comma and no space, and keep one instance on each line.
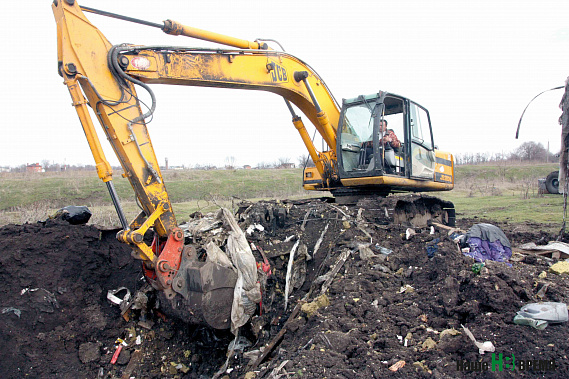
(482,250)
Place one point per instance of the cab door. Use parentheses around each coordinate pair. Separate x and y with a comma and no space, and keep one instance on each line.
(358,137)
(421,152)
(360,150)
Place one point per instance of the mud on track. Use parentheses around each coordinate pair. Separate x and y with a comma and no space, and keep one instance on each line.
(57,322)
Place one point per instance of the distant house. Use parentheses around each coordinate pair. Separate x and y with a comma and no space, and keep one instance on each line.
(34,167)
(247,167)
(4,169)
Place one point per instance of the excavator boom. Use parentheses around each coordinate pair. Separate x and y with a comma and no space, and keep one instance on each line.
(262,70)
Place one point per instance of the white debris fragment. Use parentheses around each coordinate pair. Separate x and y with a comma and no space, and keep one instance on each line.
(111,295)
(289,272)
(483,347)
(247,291)
(288,239)
(319,242)
(251,228)
(303,226)
(406,288)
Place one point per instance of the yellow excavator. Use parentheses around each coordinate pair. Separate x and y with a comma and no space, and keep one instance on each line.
(358,161)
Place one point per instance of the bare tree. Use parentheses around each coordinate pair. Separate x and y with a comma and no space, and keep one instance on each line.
(199,166)
(20,168)
(45,165)
(230,163)
(530,151)
(265,165)
(305,159)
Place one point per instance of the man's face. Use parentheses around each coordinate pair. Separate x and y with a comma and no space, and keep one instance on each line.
(383,126)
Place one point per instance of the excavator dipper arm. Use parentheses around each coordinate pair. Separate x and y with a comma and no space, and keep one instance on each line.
(83,64)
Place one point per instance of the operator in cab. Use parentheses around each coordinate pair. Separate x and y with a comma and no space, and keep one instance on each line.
(390,140)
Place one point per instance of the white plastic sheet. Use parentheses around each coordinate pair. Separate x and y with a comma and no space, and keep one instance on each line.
(247,291)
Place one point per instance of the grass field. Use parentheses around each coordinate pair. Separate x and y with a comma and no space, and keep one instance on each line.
(34,196)
(500,191)
(505,192)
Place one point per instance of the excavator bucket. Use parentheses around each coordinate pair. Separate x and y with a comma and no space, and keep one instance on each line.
(205,291)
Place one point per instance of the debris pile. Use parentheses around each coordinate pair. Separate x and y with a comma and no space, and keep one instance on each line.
(344,293)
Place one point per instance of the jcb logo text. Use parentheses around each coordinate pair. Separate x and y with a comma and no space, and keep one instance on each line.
(278,73)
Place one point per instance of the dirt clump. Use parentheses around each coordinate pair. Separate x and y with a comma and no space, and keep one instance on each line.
(364,301)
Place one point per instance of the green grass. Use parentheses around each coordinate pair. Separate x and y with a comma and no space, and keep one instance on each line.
(33,196)
(505,193)
(542,209)
(244,184)
(22,190)
(509,172)
(494,191)
(17,190)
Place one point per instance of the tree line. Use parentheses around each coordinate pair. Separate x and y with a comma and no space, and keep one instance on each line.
(526,152)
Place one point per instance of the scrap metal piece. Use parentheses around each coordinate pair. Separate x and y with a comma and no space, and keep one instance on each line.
(111,295)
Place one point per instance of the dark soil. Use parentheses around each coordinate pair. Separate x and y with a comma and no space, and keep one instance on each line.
(57,322)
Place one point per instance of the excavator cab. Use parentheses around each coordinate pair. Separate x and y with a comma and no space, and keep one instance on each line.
(361,146)
(366,160)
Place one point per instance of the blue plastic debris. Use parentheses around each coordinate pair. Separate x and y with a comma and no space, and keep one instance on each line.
(432,248)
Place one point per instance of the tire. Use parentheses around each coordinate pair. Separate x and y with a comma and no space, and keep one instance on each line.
(552,182)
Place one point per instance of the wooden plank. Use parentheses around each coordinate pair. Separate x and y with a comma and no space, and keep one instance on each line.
(269,348)
(134,359)
(449,229)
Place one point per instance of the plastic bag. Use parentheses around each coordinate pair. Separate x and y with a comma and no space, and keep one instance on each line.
(247,291)
(75,215)
(217,256)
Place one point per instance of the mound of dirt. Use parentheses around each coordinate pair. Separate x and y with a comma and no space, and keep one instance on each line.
(54,279)
(364,301)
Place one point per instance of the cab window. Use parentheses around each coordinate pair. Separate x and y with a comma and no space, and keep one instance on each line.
(420,128)
(422,150)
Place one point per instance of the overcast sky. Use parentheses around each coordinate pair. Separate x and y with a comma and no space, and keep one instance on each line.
(473,64)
